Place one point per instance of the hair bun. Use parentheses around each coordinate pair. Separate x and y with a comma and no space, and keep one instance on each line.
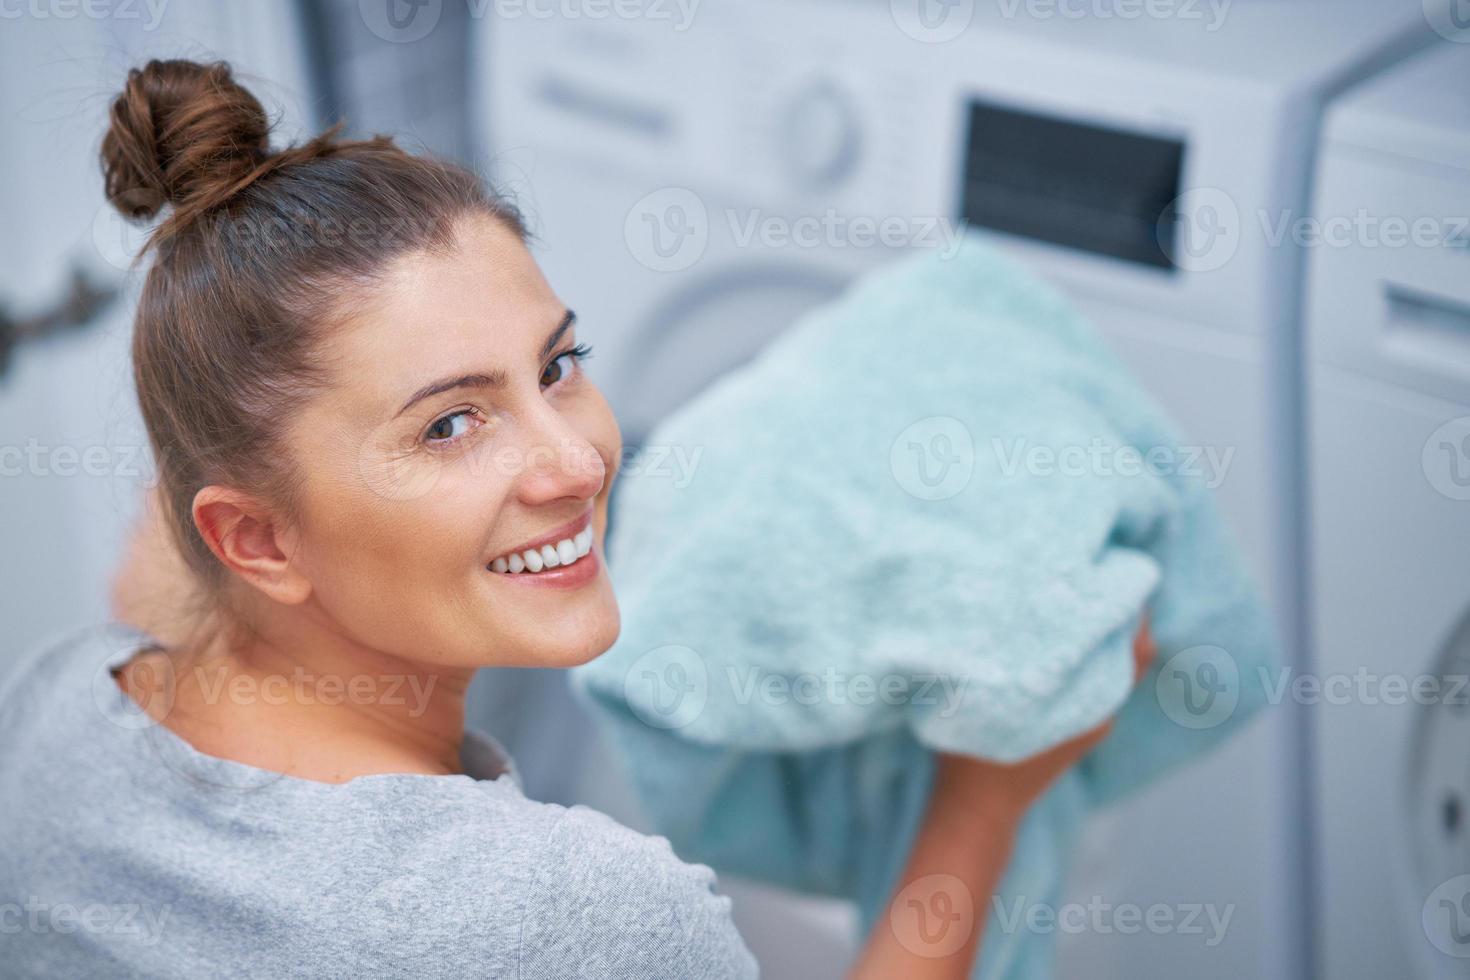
(181,133)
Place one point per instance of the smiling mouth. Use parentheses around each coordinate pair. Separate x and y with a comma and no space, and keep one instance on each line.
(566,546)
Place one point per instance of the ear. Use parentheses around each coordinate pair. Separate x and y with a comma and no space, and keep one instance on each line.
(251,542)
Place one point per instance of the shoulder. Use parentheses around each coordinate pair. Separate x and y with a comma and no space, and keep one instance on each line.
(610,901)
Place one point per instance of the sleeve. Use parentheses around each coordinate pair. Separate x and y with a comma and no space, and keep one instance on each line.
(608,902)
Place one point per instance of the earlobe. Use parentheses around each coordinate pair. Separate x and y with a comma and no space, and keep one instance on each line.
(250,541)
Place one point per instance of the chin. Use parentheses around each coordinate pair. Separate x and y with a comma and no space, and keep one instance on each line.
(578,637)
(590,645)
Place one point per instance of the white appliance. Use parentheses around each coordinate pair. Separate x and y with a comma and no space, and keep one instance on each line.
(1389,370)
(696,183)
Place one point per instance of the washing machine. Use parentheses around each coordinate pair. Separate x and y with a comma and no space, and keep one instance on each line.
(696,177)
(1389,412)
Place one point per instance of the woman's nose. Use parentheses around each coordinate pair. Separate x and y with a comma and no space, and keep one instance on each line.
(559,462)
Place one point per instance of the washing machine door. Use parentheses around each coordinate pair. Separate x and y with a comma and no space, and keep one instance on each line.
(672,286)
(700,330)
(1438,795)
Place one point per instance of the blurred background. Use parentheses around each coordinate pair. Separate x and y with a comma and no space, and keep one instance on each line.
(1262,203)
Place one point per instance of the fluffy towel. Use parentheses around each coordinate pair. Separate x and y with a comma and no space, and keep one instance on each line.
(928,516)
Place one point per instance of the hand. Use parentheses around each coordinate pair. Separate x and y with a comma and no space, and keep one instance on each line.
(965,842)
(1008,789)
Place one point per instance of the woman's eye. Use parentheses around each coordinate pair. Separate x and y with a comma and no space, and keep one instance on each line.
(559,369)
(565,365)
(451,426)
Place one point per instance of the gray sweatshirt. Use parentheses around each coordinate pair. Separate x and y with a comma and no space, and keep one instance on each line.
(126,852)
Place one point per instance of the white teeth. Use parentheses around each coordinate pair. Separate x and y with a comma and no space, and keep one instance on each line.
(564,552)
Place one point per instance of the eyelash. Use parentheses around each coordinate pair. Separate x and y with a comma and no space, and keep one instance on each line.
(577,353)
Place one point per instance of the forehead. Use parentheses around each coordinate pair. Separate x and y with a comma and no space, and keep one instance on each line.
(482,303)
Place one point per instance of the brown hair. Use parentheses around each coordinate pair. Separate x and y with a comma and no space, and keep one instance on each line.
(257,256)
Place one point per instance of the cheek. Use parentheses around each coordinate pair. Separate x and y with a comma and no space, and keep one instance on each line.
(430,528)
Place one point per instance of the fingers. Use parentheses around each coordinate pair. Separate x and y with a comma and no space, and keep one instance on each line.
(1144,649)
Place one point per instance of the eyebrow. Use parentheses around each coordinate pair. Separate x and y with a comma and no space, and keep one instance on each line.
(495,379)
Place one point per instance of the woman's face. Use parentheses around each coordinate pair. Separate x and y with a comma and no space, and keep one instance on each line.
(459,430)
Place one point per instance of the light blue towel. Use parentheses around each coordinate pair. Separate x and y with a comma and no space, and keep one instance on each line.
(928,516)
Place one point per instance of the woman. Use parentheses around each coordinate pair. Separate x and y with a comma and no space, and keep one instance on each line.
(380,468)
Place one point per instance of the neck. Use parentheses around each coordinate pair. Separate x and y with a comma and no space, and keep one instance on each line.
(299,696)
